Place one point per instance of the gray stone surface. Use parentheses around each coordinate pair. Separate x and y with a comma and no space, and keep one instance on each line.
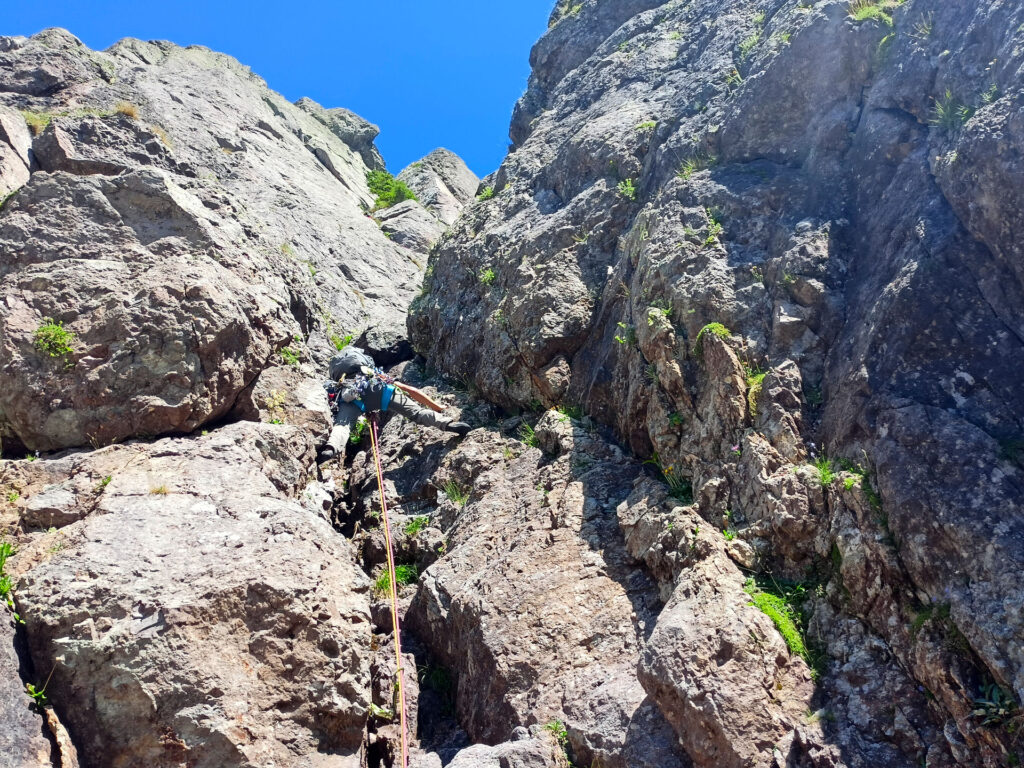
(861,250)
(537,752)
(24,739)
(199,614)
(186,223)
(14,152)
(410,225)
(443,183)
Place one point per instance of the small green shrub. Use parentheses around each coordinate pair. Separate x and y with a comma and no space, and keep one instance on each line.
(486,194)
(557,729)
(160,490)
(714,228)
(53,339)
(716,329)
(647,125)
(388,190)
(456,493)
(849,482)
(7,551)
(626,335)
(416,525)
(994,705)
(290,356)
(13,496)
(486,276)
(627,190)
(103,483)
(729,534)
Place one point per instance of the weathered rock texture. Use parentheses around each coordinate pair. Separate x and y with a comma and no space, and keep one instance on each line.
(185,223)
(197,613)
(842,196)
(444,186)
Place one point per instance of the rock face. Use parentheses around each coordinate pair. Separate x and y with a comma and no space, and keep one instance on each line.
(24,740)
(184,224)
(443,184)
(197,613)
(737,324)
(854,239)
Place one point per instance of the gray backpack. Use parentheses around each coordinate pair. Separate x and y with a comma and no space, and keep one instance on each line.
(348,362)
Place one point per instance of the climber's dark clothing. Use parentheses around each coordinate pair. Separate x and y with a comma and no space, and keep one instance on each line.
(364,393)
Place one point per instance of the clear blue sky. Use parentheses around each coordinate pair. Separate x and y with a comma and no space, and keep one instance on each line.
(430,73)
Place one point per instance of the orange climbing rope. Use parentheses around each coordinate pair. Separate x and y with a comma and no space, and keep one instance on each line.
(394,592)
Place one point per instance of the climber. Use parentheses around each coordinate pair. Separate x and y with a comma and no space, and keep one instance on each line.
(358,387)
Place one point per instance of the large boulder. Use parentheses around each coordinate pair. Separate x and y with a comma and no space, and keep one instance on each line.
(535,607)
(199,613)
(14,153)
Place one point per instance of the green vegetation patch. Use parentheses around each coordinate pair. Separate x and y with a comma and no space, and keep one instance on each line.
(949,113)
(404,575)
(755,383)
(486,194)
(53,339)
(388,190)
(826,471)
(874,10)
(782,602)
(416,525)
(716,329)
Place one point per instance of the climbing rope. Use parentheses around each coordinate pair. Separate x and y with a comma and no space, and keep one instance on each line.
(394,591)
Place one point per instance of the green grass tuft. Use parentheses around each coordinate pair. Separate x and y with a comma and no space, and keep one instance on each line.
(874,10)
(486,194)
(949,113)
(627,190)
(826,471)
(456,493)
(404,575)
